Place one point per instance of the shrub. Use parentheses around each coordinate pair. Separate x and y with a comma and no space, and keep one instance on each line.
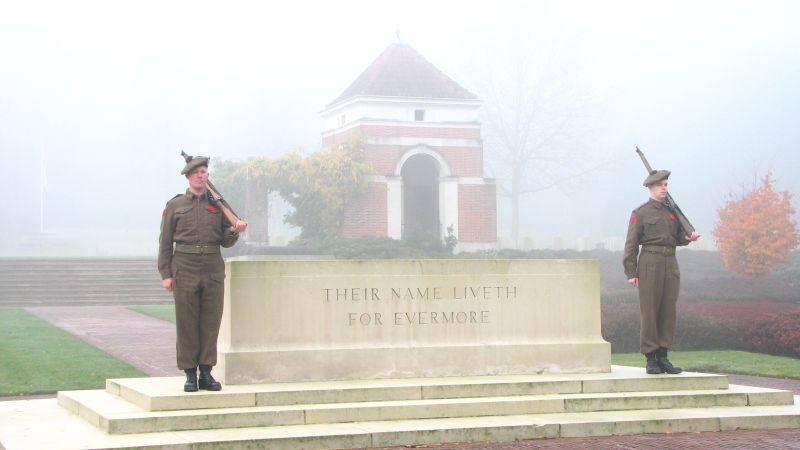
(620,327)
(775,334)
(760,326)
(374,247)
(695,332)
(620,324)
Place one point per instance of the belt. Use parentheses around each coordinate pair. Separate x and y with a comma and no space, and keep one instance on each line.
(198,249)
(660,249)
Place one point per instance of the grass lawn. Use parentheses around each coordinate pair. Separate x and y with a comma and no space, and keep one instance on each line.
(163,312)
(723,361)
(36,357)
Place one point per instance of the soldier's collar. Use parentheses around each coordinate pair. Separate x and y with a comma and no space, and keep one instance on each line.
(657,203)
(191,195)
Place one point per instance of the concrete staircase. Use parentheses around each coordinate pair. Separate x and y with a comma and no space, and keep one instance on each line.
(68,282)
(156,413)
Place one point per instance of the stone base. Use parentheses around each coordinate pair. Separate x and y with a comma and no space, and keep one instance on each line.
(438,361)
(156,413)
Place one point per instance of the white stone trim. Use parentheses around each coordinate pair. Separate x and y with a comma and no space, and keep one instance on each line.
(334,108)
(407,124)
(432,142)
(394,207)
(400,124)
(444,168)
(472,180)
(448,205)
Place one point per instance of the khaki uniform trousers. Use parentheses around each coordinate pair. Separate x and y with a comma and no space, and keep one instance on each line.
(659,283)
(198,291)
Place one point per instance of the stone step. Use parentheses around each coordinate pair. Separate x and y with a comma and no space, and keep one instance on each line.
(108,301)
(117,416)
(68,275)
(166,393)
(84,298)
(89,288)
(34,282)
(42,424)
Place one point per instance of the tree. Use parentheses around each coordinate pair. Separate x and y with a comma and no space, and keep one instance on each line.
(222,175)
(538,120)
(316,186)
(756,231)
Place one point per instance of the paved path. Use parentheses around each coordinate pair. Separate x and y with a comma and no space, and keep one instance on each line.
(728,440)
(144,342)
(148,344)
(788,384)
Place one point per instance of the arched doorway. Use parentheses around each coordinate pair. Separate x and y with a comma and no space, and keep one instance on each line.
(420,196)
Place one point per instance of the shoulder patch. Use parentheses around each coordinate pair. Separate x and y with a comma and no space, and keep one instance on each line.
(633,218)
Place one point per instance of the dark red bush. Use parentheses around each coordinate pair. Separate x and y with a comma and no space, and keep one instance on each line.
(777,334)
(760,326)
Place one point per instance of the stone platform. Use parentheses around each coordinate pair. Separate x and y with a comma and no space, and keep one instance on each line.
(155,413)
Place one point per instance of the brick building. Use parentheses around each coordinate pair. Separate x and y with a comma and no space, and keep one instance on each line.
(422,136)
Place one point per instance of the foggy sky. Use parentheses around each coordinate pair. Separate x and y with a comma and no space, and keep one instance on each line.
(111,92)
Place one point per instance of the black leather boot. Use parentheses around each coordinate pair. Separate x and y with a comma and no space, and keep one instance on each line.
(664,363)
(191,380)
(208,382)
(653,367)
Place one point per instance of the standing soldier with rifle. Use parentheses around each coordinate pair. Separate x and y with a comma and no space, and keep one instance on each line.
(658,226)
(198,223)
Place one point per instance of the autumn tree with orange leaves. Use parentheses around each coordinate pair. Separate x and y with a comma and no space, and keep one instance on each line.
(756,231)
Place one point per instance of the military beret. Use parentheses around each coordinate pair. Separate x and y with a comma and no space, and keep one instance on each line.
(192,162)
(656,176)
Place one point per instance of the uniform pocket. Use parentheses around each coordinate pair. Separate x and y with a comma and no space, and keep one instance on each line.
(652,221)
(653,226)
(217,276)
(217,280)
(176,276)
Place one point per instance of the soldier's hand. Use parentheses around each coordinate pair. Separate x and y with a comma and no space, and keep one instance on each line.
(634,281)
(695,236)
(239,226)
(167,284)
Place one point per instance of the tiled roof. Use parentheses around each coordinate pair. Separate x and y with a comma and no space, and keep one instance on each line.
(400,71)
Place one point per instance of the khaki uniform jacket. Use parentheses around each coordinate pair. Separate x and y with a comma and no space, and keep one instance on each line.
(191,219)
(650,224)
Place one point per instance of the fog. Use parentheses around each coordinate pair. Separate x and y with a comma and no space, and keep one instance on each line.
(97,99)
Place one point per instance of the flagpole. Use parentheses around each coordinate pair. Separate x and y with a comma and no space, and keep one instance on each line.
(42,187)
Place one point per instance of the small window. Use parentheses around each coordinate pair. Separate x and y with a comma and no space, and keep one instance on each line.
(419,115)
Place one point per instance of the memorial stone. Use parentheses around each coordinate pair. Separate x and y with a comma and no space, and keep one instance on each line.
(358,319)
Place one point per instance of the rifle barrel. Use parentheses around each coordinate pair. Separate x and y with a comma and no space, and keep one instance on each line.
(644,160)
(688,228)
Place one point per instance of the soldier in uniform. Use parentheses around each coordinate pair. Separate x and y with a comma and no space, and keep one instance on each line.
(193,270)
(655,272)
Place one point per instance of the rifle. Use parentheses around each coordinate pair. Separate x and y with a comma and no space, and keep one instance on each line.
(688,229)
(215,197)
